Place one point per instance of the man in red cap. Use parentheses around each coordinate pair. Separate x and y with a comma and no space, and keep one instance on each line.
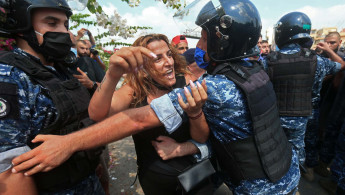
(180,43)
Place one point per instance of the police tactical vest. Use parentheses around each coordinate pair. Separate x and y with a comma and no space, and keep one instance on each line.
(292,76)
(266,154)
(71,100)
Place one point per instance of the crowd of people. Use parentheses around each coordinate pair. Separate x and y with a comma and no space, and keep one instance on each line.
(234,115)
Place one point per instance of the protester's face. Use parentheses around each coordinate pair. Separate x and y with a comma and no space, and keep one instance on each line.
(49,20)
(265,48)
(82,49)
(202,44)
(333,42)
(88,44)
(163,64)
(182,47)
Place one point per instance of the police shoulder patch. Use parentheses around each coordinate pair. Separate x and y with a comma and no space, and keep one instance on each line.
(5,107)
(9,103)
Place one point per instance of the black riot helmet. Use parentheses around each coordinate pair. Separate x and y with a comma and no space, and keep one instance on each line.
(15,15)
(233,27)
(293,27)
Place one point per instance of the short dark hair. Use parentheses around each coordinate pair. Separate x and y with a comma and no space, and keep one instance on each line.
(264,41)
(330,34)
(83,41)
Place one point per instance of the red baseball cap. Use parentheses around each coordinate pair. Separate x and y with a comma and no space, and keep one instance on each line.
(178,39)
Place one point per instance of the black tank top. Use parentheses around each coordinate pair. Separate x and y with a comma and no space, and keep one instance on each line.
(147,157)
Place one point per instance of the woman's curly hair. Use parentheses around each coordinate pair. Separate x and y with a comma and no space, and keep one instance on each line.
(141,81)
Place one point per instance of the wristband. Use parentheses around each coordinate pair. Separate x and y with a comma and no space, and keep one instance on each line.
(94,86)
(195,117)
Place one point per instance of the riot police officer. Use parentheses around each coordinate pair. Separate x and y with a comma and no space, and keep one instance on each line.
(38,95)
(249,142)
(297,74)
(236,88)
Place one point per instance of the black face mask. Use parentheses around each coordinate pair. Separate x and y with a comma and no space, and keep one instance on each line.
(56,45)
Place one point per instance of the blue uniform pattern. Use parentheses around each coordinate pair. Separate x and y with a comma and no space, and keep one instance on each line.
(228,117)
(33,106)
(295,127)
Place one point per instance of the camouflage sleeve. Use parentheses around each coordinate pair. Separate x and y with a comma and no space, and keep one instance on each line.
(22,108)
(10,140)
(328,66)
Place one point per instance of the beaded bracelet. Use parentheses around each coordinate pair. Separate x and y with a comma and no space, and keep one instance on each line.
(195,117)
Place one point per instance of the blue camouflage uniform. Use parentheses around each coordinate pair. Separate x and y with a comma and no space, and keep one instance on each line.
(338,165)
(33,106)
(229,120)
(295,127)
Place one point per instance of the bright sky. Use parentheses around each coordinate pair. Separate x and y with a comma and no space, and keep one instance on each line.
(323,13)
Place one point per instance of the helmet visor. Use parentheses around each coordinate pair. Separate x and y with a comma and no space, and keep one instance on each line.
(78,5)
(193,16)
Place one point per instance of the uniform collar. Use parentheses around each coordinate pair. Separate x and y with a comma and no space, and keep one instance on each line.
(19,51)
(26,54)
(290,48)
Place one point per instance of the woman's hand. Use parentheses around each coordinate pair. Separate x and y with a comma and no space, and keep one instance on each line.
(195,100)
(166,147)
(128,59)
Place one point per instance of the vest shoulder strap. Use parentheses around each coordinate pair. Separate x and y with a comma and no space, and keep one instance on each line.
(23,63)
(69,107)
